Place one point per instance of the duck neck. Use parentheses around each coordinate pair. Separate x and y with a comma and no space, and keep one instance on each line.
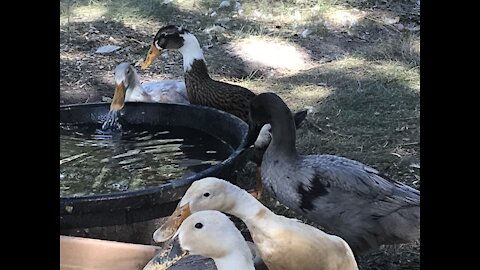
(134,89)
(193,60)
(198,72)
(239,259)
(249,209)
(283,135)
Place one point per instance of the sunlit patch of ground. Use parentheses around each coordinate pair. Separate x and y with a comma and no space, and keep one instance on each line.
(280,55)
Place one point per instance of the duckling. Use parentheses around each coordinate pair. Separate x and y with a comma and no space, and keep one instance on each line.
(128,88)
(283,243)
(209,234)
(345,197)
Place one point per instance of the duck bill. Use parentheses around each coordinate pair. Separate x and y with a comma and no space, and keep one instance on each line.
(168,256)
(152,54)
(118,100)
(168,229)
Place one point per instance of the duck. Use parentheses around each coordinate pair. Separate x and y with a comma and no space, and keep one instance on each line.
(205,91)
(343,196)
(283,243)
(210,234)
(129,89)
(201,88)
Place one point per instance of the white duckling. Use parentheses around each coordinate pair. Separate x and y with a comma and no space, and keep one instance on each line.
(283,243)
(129,89)
(209,234)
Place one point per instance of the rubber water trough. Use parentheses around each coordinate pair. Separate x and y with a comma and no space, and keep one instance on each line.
(126,207)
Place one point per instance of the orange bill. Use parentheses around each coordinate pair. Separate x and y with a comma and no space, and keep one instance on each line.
(153,53)
(118,100)
(168,229)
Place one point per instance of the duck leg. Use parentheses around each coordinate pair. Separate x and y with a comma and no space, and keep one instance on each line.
(257,192)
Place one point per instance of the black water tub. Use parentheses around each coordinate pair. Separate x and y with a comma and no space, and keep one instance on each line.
(154,202)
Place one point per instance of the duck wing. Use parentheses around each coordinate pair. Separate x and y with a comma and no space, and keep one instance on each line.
(342,175)
(166,91)
(164,85)
(357,203)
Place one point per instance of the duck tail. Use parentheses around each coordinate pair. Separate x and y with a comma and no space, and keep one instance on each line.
(298,118)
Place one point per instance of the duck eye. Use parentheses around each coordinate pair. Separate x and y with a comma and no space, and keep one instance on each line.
(206,194)
(198,225)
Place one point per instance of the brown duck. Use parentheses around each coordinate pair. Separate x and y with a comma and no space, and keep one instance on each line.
(201,89)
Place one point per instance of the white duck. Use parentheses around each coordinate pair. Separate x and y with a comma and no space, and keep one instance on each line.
(129,89)
(283,243)
(209,234)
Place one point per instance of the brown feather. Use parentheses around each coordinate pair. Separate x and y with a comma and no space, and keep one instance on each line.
(203,90)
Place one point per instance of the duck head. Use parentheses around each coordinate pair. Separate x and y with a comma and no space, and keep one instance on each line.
(209,234)
(270,108)
(173,37)
(205,194)
(266,107)
(125,80)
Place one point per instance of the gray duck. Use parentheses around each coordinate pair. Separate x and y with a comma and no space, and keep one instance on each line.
(346,197)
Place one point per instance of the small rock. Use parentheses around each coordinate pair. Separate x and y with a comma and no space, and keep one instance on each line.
(399,26)
(311,110)
(306,32)
(238,6)
(107,49)
(106,99)
(388,20)
(222,20)
(224,4)
(415,165)
(113,40)
(413,28)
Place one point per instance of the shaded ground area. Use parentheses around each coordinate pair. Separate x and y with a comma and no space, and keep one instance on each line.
(353,64)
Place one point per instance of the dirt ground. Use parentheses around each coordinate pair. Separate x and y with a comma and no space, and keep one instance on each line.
(357,72)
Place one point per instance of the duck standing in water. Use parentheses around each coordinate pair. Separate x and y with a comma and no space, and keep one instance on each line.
(283,243)
(346,197)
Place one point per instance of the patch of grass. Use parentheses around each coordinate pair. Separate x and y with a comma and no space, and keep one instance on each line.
(404,47)
(130,11)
